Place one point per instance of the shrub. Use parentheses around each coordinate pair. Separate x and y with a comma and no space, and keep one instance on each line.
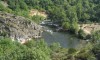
(81,34)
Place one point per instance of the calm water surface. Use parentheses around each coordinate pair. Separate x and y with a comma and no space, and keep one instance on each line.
(65,39)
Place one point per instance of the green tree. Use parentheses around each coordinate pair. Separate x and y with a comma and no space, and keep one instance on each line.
(66,25)
(96,36)
(81,34)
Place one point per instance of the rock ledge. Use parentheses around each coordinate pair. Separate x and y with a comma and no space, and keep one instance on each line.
(18,28)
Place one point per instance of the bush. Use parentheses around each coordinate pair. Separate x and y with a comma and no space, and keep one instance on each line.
(66,25)
(3,8)
(96,36)
(71,50)
(37,18)
(81,34)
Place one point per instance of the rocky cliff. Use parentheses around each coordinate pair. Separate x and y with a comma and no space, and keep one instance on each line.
(18,28)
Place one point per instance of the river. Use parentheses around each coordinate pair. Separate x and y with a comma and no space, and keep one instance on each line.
(63,38)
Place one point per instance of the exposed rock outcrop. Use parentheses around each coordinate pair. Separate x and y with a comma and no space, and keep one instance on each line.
(18,28)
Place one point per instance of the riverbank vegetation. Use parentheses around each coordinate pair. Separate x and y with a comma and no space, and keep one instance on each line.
(39,50)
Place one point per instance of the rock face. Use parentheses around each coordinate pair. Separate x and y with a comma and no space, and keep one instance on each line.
(18,28)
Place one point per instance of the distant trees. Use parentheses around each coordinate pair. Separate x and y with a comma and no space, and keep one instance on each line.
(97,12)
(23,5)
(84,11)
(57,14)
(81,8)
(17,4)
(67,13)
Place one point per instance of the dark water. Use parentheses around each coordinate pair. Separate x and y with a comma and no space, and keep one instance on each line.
(65,39)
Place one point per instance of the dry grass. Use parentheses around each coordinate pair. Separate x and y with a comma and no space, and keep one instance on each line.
(34,12)
(88,28)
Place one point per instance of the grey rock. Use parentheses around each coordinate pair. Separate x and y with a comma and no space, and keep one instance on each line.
(18,28)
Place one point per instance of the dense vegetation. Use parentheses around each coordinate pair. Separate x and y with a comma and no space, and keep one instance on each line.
(38,50)
(68,13)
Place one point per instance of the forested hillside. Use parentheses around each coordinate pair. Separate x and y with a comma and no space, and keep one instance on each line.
(68,13)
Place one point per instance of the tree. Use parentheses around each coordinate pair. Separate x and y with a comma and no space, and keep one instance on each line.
(66,25)
(81,34)
(23,5)
(74,27)
(2,8)
(57,14)
(96,36)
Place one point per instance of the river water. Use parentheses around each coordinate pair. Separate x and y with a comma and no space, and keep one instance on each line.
(64,38)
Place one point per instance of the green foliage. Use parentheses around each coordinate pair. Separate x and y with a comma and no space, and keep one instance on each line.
(74,27)
(15,4)
(64,12)
(22,13)
(85,53)
(57,14)
(39,50)
(71,50)
(81,34)
(96,36)
(61,10)
(14,51)
(55,46)
(23,5)
(66,25)
(86,56)
(3,8)
(37,18)
(67,13)
(96,49)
